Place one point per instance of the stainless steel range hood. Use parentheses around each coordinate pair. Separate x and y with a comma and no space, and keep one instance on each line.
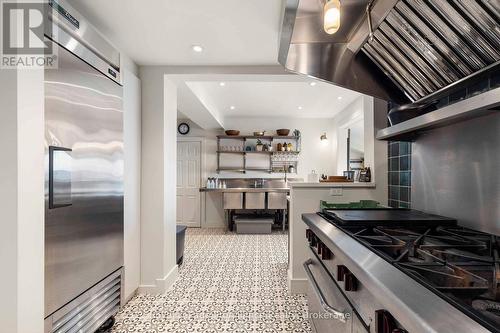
(419,50)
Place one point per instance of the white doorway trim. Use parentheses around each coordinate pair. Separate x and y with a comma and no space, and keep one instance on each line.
(203,171)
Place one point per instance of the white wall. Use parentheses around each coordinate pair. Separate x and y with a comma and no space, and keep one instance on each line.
(315,154)
(21,198)
(132,182)
(158,189)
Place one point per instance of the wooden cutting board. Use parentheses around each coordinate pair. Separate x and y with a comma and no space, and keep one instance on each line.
(335,179)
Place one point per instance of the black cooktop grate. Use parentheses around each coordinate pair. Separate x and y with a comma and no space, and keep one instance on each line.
(459,264)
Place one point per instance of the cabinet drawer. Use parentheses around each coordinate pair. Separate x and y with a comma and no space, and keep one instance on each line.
(276,200)
(255,200)
(233,200)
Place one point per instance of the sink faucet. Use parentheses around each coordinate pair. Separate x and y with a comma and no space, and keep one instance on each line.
(259,182)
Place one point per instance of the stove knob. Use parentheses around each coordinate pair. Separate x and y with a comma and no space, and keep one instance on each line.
(384,322)
(314,240)
(341,272)
(320,247)
(326,254)
(308,235)
(351,283)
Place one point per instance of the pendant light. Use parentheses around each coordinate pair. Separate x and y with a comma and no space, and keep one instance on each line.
(331,16)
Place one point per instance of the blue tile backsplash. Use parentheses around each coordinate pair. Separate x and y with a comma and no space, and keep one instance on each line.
(399,174)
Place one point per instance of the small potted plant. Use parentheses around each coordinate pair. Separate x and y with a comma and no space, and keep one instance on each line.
(259,146)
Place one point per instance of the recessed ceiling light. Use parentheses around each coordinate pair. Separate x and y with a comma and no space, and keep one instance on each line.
(197,48)
(312,84)
(222,84)
(232,107)
(339,98)
(300,108)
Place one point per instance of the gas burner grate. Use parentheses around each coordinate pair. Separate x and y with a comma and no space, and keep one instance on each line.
(461,265)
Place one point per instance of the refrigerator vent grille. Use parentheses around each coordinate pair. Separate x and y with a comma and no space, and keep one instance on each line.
(427,45)
(93,312)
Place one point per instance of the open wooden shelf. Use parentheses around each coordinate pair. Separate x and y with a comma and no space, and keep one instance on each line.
(268,138)
(230,152)
(244,170)
(264,137)
(258,169)
(231,169)
(257,152)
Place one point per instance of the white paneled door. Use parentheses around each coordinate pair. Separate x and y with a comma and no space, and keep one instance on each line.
(188,183)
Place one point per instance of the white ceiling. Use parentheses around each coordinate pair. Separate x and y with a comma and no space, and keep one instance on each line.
(162,32)
(271,96)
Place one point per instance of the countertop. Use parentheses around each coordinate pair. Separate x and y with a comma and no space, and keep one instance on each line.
(287,189)
(331,185)
(246,189)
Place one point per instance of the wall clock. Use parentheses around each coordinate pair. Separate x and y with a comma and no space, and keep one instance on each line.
(183,128)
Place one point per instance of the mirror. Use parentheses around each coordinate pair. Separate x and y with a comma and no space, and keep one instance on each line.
(351,139)
(356,148)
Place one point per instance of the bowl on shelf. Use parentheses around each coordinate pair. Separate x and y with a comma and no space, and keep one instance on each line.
(232,132)
(259,133)
(283,132)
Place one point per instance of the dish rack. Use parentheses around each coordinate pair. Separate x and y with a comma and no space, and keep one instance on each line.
(281,161)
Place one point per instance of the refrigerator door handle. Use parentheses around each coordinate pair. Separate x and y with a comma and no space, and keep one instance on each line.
(60,161)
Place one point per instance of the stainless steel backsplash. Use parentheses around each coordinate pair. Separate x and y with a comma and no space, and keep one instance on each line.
(456,172)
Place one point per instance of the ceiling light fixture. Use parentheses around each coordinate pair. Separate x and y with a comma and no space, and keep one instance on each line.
(331,16)
(300,108)
(312,84)
(197,48)
(339,98)
(222,84)
(232,107)
(323,137)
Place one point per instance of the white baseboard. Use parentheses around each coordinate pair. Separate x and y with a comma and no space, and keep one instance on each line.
(161,285)
(129,297)
(296,286)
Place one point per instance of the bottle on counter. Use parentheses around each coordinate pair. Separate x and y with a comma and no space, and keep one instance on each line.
(368,177)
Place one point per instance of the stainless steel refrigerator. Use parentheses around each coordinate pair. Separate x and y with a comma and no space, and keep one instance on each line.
(84,177)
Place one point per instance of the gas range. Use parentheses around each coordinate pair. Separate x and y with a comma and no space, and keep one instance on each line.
(460,265)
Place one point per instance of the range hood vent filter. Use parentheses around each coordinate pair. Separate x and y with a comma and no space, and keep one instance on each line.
(427,45)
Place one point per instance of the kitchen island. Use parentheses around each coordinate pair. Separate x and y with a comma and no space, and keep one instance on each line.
(305,198)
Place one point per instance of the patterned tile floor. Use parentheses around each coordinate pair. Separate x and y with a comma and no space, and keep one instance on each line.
(227,283)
